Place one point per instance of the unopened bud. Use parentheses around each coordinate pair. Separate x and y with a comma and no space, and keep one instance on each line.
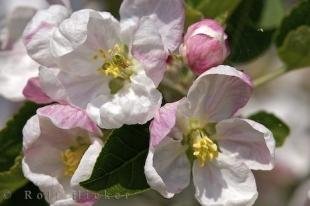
(205,45)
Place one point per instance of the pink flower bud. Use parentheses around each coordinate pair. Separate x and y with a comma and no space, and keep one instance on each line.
(205,45)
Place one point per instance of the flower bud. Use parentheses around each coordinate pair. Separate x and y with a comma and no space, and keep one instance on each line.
(205,45)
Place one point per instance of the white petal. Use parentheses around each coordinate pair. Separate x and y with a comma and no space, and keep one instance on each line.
(136,103)
(65,3)
(168,15)
(78,39)
(218,93)
(224,183)
(167,168)
(14,23)
(74,89)
(31,132)
(15,69)
(248,141)
(148,48)
(46,183)
(38,32)
(87,163)
(84,171)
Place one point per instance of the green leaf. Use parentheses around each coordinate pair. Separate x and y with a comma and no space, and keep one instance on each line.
(119,170)
(279,129)
(295,50)
(293,37)
(299,16)
(247,38)
(219,10)
(11,177)
(273,14)
(11,180)
(11,136)
(192,15)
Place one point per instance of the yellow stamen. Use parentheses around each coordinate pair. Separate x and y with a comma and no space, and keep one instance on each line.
(117,64)
(71,158)
(204,149)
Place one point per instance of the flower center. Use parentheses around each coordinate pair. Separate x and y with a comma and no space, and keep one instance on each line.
(117,65)
(72,156)
(203,148)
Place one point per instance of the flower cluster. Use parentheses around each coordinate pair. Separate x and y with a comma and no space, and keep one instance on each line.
(101,73)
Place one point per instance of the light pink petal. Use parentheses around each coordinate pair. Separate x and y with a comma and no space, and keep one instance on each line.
(247,141)
(38,33)
(42,163)
(68,117)
(45,136)
(168,15)
(33,92)
(219,93)
(51,86)
(163,122)
(224,182)
(167,168)
(148,48)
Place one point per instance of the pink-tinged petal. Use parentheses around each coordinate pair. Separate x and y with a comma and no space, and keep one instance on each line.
(247,141)
(42,163)
(224,182)
(163,122)
(38,32)
(168,15)
(148,48)
(167,168)
(219,93)
(40,132)
(78,40)
(68,117)
(45,137)
(33,92)
(51,85)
